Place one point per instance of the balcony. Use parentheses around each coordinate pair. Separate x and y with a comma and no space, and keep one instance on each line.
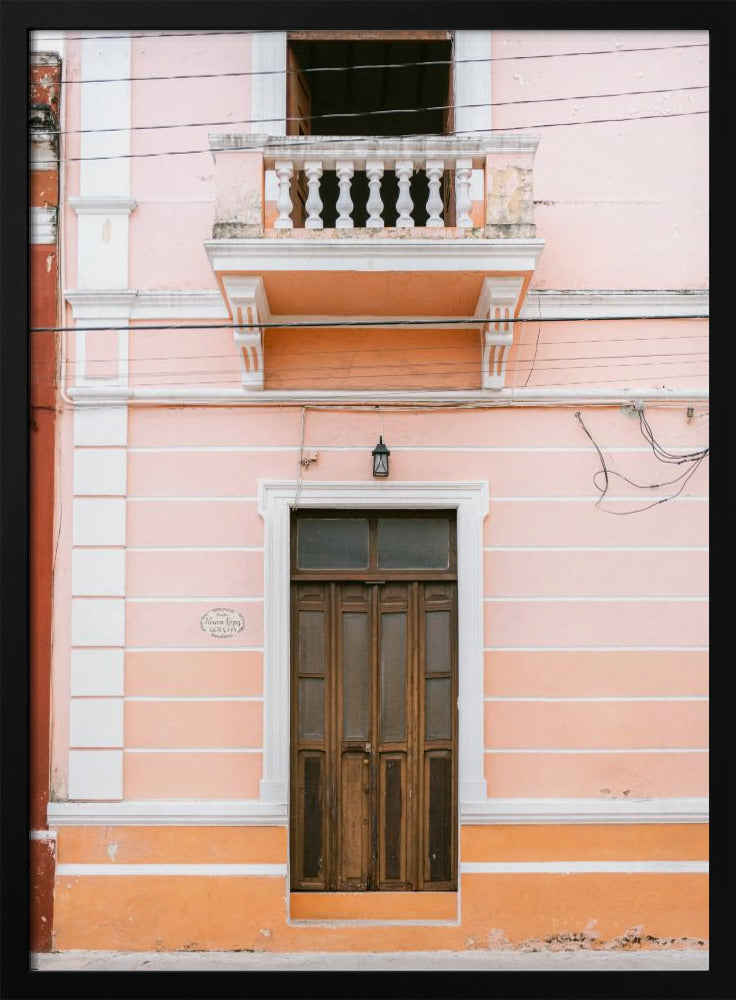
(367,187)
(424,227)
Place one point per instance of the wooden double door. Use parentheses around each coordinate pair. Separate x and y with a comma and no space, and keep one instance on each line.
(374,723)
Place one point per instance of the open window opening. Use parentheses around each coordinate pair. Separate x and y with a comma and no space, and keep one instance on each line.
(368,81)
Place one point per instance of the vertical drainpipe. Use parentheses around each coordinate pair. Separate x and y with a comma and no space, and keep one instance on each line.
(44,99)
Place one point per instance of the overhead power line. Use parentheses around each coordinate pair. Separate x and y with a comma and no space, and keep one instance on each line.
(384,351)
(361,323)
(374,66)
(408,368)
(377,112)
(331,140)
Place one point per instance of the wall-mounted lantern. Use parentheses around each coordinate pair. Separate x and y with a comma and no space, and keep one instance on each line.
(380,458)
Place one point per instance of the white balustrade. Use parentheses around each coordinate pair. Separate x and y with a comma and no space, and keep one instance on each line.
(374,205)
(463,201)
(313,204)
(344,170)
(404,204)
(284,172)
(426,159)
(434,170)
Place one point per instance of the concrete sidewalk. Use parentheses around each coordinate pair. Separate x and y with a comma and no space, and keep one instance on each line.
(477,961)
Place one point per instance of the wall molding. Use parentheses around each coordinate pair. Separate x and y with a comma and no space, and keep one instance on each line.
(93,395)
(600,303)
(572,811)
(167,812)
(470,500)
(583,867)
(501,812)
(250,870)
(205,303)
(102,204)
(338,254)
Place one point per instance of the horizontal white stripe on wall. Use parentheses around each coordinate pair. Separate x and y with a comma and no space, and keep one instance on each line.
(596,649)
(194,599)
(454,449)
(263,870)
(589,599)
(646,697)
(588,498)
(197,698)
(591,497)
(195,548)
(582,867)
(227,499)
(597,750)
(193,649)
(193,750)
(595,548)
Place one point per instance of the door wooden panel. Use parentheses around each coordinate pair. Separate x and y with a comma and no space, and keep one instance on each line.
(374,734)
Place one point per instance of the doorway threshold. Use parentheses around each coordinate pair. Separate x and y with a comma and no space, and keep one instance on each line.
(394,907)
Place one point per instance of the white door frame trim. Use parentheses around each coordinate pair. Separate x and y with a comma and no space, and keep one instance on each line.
(470,500)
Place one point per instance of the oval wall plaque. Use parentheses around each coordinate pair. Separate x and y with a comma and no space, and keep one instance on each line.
(222,622)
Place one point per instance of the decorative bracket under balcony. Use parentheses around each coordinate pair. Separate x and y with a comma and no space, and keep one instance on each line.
(498,304)
(246,299)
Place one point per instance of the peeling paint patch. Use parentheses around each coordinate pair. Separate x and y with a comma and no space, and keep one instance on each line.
(510,198)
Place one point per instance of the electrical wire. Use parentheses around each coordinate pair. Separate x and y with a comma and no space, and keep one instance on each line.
(384,350)
(694,459)
(185,378)
(277,142)
(370,114)
(374,66)
(448,368)
(536,345)
(370,323)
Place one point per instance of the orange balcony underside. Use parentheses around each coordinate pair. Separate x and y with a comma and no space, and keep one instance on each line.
(360,293)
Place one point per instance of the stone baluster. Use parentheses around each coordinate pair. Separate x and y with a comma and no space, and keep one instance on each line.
(344,170)
(374,170)
(434,170)
(284,172)
(463,201)
(313,204)
(404,204)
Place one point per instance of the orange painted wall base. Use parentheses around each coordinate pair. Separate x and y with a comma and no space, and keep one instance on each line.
(206,908)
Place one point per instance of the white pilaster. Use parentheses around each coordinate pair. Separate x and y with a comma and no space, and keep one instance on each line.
(268,83)
(472,54)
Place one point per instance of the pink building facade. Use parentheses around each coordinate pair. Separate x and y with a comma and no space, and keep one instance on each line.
(252,301)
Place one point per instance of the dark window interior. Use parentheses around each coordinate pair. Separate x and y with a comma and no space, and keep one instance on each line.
(371,83)
(377,88)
